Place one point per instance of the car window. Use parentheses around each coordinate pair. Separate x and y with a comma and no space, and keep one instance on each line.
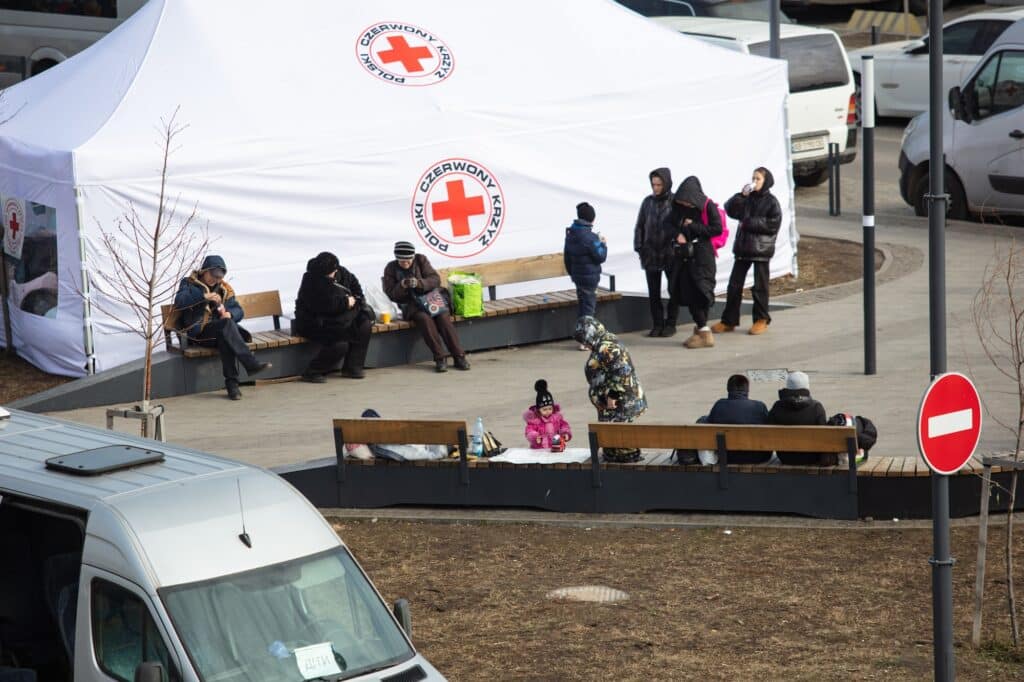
(959,38)
(815,61)
(753,10)
(124,634)
(998,86)
(988,34)
(1008,92)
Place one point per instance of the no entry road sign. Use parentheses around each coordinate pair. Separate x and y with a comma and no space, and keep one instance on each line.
(949,423)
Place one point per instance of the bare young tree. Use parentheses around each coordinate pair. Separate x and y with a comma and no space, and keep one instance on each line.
(148,261)
(998,314)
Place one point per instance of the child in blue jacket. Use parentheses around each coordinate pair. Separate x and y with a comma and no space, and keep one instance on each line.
(584,252)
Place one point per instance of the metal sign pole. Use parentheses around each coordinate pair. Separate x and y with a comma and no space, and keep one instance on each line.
(942,563)
(8,334)
(867,117)
(774,17)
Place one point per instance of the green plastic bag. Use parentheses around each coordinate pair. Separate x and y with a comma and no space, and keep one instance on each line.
(467,294)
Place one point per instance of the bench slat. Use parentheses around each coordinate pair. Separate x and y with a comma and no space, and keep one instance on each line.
(399,431)
(703,436)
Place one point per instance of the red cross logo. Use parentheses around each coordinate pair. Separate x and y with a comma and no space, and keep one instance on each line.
(14,225)
(458,208)
(401,51)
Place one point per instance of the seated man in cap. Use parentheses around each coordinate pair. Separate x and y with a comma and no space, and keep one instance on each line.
(796,407)
(210,316)
(411,275)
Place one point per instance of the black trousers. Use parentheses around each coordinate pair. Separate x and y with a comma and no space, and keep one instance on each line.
(436,329)
(731,314)
(661,317)
(699,313)
(352,347)
(223,335)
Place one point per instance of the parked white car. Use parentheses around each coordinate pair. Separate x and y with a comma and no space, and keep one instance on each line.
(983,130)
(901,68)
(822,105)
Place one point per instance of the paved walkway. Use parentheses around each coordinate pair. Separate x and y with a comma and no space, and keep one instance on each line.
(821,335)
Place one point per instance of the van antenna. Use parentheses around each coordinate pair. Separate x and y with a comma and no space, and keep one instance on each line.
(244,537)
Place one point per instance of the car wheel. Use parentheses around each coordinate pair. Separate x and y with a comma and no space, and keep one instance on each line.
(957,207)
(811,180)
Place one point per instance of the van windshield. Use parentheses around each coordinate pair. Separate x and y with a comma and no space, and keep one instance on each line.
(286,622)
(815,61)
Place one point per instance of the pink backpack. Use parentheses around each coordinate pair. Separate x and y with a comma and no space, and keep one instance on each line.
(719,241)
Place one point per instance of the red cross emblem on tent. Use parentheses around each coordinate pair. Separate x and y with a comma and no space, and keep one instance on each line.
(458,207)
(949,423)
(404,54)
(14,226)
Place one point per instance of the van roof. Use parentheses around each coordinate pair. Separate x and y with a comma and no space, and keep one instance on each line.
(188,500)
(28,440)
(740,30)
(1014,35)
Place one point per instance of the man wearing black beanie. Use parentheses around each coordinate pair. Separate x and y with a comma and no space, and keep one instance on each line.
(584,252)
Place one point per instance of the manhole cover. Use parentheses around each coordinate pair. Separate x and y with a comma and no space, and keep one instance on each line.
(591,593)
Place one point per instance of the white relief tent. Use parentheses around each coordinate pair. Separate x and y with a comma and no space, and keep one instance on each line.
(325,125)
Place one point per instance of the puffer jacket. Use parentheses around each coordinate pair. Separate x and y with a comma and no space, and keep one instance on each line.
(693,277)
(583,254)
(538,426)
(195,311)
(322,312)
(759,216)
(653,234)
(610,373)
(796,407)
(427,280)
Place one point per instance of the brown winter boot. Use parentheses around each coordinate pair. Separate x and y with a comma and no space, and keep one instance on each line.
(722,327)
(702,339)
(759,327)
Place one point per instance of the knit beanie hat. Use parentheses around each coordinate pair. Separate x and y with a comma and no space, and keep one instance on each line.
(404,250)
(544,399)
(797,380)
(585,212)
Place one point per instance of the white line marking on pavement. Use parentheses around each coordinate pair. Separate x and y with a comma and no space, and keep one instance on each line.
(951,422)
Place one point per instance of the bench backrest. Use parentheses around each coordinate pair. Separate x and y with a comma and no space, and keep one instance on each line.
(512,271)
(737,438)
(259,304)
(399,431)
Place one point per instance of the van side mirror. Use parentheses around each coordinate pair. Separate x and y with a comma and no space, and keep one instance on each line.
(403,615)
(148,671)
(956,104)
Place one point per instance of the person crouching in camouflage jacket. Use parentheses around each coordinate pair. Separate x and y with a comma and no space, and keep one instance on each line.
(615,390)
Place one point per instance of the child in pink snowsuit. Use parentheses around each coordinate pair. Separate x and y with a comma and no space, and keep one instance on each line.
(544,419)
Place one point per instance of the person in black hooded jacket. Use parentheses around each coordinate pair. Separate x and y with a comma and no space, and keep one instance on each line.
(796,407)
(652,240)
(331,311)
(759,216)
(695,220)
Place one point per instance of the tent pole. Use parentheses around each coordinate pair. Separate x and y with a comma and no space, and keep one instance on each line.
(87,337)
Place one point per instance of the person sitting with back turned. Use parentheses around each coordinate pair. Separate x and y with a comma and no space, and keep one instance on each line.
(411,275)
(209,317)
(738,408)
(796,407)
(331,311)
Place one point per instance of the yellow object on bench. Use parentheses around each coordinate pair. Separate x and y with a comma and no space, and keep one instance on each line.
(259,304)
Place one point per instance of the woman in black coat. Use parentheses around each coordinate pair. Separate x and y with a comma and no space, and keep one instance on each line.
(330,310)
(696,221)
(759,216)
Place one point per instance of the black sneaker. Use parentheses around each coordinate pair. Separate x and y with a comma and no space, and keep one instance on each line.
(258,367)
(669,330)
(353,373)
(314,378)
(462,363)
(440,366)
(234,393)
(655,332)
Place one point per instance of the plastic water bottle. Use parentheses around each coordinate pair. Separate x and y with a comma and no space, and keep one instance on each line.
(476,443)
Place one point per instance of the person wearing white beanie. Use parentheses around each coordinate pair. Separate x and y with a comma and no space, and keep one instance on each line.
(796,407)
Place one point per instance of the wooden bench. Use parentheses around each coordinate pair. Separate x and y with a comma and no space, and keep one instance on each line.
(724,437)
(257,305)
(401,432)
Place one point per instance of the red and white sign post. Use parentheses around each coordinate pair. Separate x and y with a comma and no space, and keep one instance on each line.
(948,428)
(949,423)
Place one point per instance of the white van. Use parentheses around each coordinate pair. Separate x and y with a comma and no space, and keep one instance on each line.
(126,559)
(822,105)
(983,130)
